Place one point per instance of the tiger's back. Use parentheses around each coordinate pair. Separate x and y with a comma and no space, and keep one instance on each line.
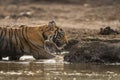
(16,42)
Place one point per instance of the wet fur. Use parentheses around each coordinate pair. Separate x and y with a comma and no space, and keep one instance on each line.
(16,42)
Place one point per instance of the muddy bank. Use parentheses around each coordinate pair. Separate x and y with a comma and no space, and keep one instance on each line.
(94,51)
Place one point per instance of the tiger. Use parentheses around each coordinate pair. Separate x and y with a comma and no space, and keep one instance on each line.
(25,40)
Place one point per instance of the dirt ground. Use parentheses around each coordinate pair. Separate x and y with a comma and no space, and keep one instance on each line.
(82,20)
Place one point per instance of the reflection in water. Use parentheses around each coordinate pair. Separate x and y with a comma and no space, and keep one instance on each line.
(56,70)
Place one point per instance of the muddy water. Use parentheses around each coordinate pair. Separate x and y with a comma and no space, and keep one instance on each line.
(56,69)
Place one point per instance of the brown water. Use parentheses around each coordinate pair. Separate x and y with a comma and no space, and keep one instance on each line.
(57,70)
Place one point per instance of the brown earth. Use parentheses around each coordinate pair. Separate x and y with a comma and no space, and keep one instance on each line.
(80,19)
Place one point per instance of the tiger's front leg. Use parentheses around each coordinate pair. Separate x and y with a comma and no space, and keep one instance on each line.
(0,58)
(12,58)
(52,47)
(42,54)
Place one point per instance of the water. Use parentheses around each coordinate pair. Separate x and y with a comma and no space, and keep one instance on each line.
(56,69)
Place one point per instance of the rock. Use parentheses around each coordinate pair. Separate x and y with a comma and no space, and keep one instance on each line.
(107,31)
(70,44)
(99,52)
(25,14)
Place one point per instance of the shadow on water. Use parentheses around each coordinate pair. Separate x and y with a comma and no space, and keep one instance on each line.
(53,70)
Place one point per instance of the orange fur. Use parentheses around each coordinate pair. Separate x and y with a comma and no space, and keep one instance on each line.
(15,42)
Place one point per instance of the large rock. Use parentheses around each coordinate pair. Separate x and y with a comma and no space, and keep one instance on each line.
(71,43)
(96,51)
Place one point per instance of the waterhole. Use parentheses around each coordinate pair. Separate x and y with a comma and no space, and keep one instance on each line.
(56,69)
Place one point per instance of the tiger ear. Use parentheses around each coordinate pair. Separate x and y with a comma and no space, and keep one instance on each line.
(52,25)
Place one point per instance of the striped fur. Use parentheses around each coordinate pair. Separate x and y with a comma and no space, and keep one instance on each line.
(16,42)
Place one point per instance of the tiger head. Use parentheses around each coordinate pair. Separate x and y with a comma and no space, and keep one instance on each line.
(59,37)
(55,34)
